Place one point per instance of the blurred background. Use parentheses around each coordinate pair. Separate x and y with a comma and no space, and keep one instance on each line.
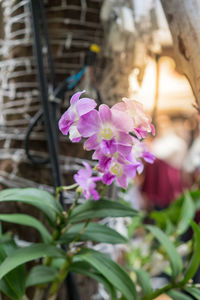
(141,49)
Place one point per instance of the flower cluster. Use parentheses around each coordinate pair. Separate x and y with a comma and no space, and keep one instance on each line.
(115,136)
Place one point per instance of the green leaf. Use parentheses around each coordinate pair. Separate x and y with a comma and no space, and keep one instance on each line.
(57,263)
(195,194)
(160,218)
(187,213)
(100,209)
(175,295)
(195,261)
(26,254)
(85,269)
(43,200)
(144,281)
(15,279)
(195,292)
(93,232)
(13,284)
(5,238)
(40,275)
(174,258)
(26,220)
(110,270)
(8,291)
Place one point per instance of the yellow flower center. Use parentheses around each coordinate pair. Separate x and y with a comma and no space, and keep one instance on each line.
(116,169)
(107,134)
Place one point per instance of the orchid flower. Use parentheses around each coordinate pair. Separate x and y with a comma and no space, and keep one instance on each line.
(69,120)
(140,151)
(102,125)
(120,169)
(141,121)
(107,131)
(87,182)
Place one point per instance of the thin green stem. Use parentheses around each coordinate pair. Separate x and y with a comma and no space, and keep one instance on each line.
(77,238)
(56,234)
(65,188)
(61,276)
(73,205)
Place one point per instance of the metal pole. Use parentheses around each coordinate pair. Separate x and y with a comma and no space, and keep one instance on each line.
(49,112)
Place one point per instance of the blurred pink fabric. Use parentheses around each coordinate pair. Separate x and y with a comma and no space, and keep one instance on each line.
(162,184)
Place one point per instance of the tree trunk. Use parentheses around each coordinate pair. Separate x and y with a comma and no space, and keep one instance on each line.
(184,22)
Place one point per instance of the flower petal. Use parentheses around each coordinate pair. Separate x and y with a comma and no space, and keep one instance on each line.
(124,149)
(119,106)
(88,168)
(104,163)
(84,105)
(140,133)
(95,194)
(130,170)
(148,157)
(140,168)
(121,120)
(153,129)
(123,181)
(81,177)
(66,121)
(89,123)
(92,143)
(108,147)
(74,99)
(105,113)
(124,138)
(74,134)
(97,154)
(108,178)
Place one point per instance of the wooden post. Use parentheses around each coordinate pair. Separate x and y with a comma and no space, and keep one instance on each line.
(184,22)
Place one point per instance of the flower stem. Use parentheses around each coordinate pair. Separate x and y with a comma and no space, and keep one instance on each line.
(76,239)
(61,276)
(65,188)
(73,205)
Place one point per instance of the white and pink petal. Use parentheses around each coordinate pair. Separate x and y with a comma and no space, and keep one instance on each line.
(84,105)
(89,123)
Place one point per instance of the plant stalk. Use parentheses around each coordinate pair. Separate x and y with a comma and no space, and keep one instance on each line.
(76,239)
(60,278)
(65,188)
(73,205)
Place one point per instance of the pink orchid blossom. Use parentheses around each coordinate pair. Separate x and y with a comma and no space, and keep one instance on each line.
(120,169)
(87,182)
(140,151)
(104,127)
(69,120)
(119,155)
(141,121)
